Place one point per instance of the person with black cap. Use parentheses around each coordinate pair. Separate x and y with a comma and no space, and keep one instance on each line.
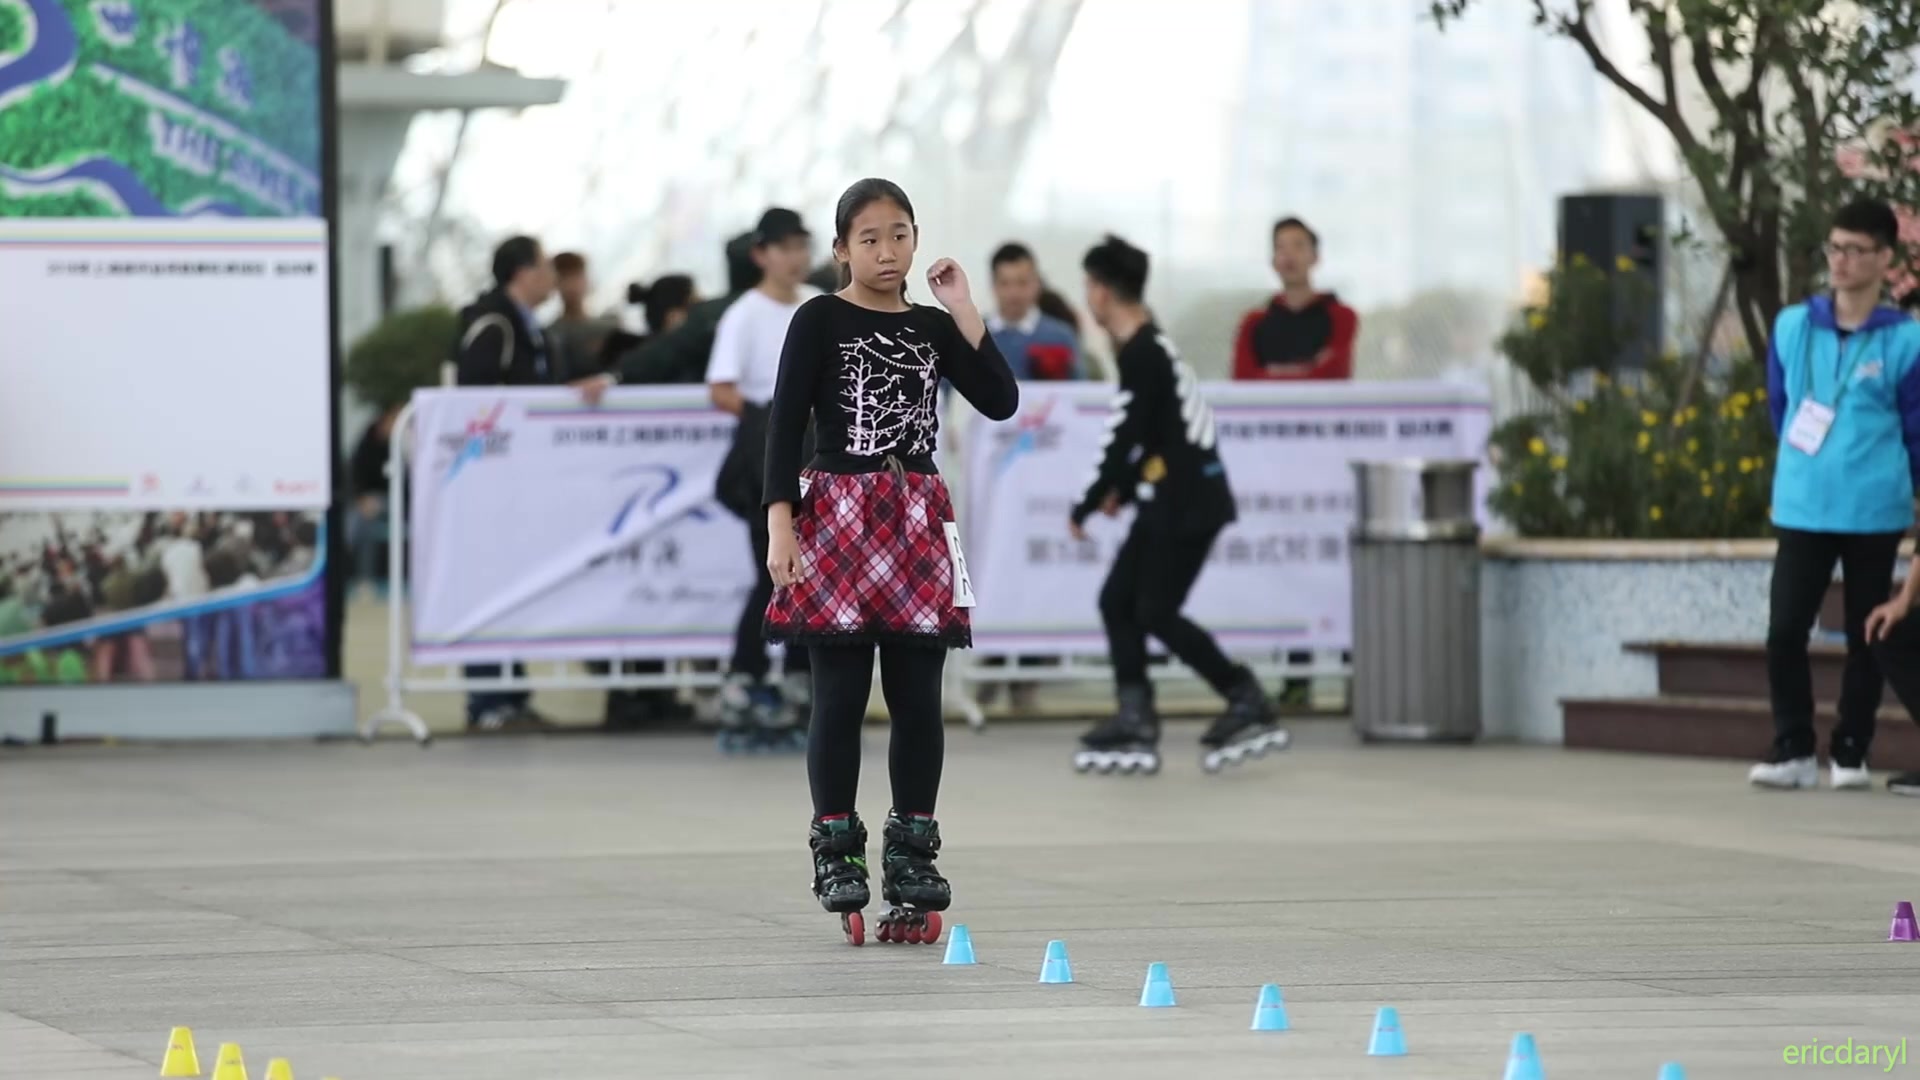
(741,375)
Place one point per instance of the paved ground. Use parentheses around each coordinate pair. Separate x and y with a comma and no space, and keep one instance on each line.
(584,907)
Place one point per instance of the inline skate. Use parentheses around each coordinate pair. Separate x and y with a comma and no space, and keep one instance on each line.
(1248,728)
(1129,742)
(915,892)
(839,846)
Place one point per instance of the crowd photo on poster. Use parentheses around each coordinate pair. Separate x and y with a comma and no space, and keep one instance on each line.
(105,596)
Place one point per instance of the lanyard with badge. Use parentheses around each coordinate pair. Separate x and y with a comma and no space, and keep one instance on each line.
(1812,421)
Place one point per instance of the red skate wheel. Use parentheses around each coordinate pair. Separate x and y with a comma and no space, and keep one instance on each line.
(931,932)
(885,933)
(856,927)
(913,934)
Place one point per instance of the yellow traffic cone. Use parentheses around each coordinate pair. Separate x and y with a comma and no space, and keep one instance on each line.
(229,1065)
(181,1060)
(279,1069)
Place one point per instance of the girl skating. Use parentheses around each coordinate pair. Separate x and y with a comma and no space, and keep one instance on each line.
(864,551)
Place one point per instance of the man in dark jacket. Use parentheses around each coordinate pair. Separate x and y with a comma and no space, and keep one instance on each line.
(501,344)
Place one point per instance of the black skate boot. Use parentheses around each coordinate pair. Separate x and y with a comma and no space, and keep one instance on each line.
(840,870)
(914,891)
(1247,729)
(1129,742)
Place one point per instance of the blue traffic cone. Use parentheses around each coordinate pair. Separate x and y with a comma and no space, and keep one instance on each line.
(1672,1071)
(1388,1039)
(959,946)
(1523,1062)
(1270,1013)
(1055,969)
(1158,993)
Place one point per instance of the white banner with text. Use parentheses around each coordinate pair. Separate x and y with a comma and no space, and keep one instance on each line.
(546,529)
(542,528)
(1277,579)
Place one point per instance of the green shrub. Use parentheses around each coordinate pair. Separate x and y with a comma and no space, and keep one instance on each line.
(1664,453)
(400,355)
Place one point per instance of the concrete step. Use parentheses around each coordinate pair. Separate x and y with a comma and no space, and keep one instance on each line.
(1717,727)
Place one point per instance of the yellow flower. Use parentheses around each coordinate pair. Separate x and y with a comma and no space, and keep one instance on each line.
(1705,476)
(1558,462)
(1706,490)
(1761,395)
(1648,418)
(1660,459)
(1627,392)
(1536,319)
(1581,260)
(1693,412)
(1519,488)
(1622,263)
(1599,377)
(1678,419)
(1645,440)
(1741,400)
(1693,446)
(1747,465)
(1537,446)
(1580,406)
(1655,514)
(1719,466)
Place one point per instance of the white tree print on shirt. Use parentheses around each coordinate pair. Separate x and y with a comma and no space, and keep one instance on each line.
(888,386)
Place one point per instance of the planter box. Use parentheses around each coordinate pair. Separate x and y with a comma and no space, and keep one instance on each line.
(1557,617)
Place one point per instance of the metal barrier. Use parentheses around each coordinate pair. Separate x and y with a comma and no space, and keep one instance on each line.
(964,672)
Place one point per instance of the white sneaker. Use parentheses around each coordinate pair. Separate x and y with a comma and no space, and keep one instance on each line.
(1786,775)
(1845,779)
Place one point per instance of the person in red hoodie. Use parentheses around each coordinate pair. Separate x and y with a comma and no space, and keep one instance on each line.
(1302,334)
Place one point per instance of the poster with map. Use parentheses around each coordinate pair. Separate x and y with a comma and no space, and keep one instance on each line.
(159,108)
(165,454)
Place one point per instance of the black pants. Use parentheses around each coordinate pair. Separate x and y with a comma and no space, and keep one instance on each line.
(842,683)
(1145,590)
(750,636)
(1802,574)
(1899,657)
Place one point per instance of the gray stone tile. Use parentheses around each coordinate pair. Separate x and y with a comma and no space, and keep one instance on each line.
(582,907)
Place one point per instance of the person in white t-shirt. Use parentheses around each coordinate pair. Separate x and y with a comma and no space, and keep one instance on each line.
(741,373)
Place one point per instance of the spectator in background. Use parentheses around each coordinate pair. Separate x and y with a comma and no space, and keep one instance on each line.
(680,355)
(666,303)
(740,379)
(1038,346)
(500,344)
(577,337)
(367,525)
(1302,333)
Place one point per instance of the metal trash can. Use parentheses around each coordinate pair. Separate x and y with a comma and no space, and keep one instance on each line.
(1415,558)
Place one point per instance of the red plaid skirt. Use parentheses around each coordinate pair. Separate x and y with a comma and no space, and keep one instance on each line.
(877,566)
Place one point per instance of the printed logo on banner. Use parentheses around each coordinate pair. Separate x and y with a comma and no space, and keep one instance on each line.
(1029,432)
(482,439)
(651,484)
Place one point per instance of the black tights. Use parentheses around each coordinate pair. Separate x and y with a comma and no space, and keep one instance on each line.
(842,683)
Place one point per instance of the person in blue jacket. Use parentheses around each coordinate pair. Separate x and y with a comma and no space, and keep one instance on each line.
(1843,381)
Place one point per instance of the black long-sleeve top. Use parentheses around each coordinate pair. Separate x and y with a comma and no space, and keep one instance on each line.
(870,380)
(1161,450)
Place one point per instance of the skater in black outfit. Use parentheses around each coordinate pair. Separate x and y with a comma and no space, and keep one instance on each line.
(1160,455)
(863,551)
